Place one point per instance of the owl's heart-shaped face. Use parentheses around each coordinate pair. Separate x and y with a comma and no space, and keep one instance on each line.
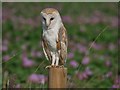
(49,20)
(50,17)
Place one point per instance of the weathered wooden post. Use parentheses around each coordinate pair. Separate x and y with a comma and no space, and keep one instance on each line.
(57,77)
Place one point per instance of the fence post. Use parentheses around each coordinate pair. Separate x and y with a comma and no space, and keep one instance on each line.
(57,77)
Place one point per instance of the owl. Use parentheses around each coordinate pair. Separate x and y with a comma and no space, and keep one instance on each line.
(54,37)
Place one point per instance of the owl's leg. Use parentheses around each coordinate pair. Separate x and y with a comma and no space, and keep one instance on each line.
(57,58)
(53,59)
(57,61)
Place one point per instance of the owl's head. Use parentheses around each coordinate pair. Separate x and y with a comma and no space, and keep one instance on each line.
(50,18)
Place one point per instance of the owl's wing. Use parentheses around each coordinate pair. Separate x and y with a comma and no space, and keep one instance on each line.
(46,49)
(62,44)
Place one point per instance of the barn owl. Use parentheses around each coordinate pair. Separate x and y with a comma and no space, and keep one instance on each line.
(54,37)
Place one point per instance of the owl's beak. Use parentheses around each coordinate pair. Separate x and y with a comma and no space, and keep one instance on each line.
(47,23)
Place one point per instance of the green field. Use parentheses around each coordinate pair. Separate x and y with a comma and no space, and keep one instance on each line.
(22,56)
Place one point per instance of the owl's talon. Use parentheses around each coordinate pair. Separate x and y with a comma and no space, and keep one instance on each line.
(49,66)
(53,66)
(56,66)
(62,66)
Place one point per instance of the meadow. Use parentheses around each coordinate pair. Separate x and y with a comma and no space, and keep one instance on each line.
(92,30)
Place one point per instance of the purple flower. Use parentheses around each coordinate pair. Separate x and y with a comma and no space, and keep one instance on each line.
(117,80)
(34,78)
(5,42)
(80,76)
(88,71)
(114,21)
(85,60)
(70,55)
(116,86)
(95,20)
(36,53)
(18,86)
(4,47)
(6,57)
(108,63)
(81,48)
(42,79)
(27,62)
(37,78)
(72,46)
(111,46)
(21,20)
(74,64)
(83,19)
(67,19)
(84,74)
(109,74)
(6,14)
(32,22)
(0,48)
(97,46)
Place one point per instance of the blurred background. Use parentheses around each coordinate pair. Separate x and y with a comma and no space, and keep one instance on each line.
(89,64)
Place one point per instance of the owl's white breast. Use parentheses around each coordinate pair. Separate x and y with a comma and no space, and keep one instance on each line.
(51,37)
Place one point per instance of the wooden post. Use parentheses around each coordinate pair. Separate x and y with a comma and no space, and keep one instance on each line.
(57,77)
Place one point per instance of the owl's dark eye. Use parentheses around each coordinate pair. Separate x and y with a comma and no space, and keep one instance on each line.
(44,18)
(51,19)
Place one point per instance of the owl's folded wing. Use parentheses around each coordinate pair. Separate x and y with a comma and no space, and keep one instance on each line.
(62,44)
(46,49)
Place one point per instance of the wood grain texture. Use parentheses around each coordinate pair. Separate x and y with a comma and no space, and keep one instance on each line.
(57,77)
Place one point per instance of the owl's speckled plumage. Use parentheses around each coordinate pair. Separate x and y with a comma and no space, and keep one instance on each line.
(49,10)
(54,37)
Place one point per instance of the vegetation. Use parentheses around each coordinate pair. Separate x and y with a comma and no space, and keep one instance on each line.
(90,64)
